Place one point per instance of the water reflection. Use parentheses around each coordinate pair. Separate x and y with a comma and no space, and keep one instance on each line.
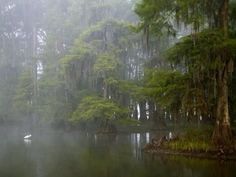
(147,137)
(95,138)
(27,142)
(62,154)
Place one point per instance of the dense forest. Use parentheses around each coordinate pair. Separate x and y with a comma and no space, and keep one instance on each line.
(110,63)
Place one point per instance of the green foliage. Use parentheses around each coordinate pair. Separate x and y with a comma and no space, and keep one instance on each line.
(97,29)
(165,87)
(203,48)
(155,16)
(132,88)
(232,13)
(112,82)
(230,46)
(94,108)
(106,64)
(80,51)
(201,55)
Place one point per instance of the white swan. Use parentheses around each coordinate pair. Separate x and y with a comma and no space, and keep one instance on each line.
(27,136)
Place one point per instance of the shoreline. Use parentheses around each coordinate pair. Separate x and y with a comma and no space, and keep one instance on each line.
(210,155)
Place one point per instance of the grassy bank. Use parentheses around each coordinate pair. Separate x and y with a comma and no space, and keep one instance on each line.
(192,140)
(195,142)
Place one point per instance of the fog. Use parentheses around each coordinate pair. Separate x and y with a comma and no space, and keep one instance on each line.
(36,36)
(87,86)
(57,53)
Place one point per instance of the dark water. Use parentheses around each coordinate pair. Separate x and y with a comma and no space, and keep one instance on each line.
(60,154)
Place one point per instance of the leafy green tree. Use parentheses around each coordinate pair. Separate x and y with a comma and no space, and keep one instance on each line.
(99,110)
(105,67)
(99,59)
(166,88)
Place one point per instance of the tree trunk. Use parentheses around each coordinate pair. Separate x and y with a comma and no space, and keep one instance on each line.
(222,135)
(143,115)
(135,111)
(224,17)
(151,111)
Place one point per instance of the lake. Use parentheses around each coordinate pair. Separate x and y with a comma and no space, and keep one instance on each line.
(52,153)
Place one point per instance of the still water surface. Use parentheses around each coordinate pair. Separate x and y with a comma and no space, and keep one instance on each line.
(60,154)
